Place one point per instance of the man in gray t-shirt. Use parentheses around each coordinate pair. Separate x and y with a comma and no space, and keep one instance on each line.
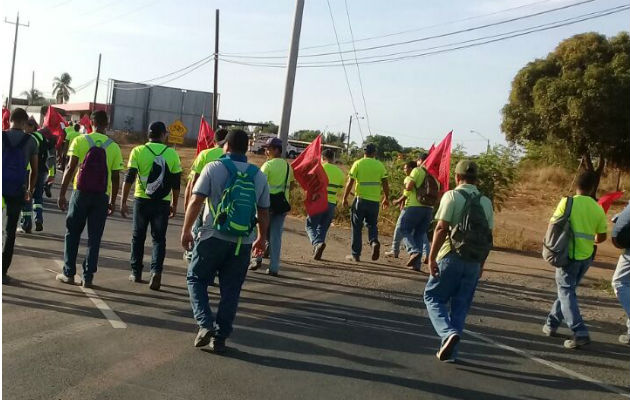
(218,253)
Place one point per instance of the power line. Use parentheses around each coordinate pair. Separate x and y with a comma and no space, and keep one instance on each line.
(147,86)
(367,116)
(345,71)
(202,61)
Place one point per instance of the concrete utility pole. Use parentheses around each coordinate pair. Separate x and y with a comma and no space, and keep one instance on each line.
(349,128)
(215,102)
(98,78)
(283,132)
(17,26)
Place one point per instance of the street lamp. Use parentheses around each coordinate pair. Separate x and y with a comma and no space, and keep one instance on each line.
(484,138)
(350,127)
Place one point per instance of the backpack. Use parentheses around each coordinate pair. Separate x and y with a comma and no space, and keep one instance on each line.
(559,234)
(159,182)
(235,215)
(93,172)
(46,150)
(429,190)
(13,166)
(471,238)
(278,203)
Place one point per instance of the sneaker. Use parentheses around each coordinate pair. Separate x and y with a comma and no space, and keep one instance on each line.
(87,284)
(391,253)
(318,251)
(446,351)
(22,230)
(137,278)
(47,190)
(6,280)
(203,337)
(156,281)
(255,264)
(271,273)
(353,258)
(39,226)
(577,342)
(217,345)
(625,339)
(413,259)
(65,279)
(549,331)
(376,251)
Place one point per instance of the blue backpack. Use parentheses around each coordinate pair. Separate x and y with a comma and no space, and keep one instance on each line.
(235,214)
(13,166)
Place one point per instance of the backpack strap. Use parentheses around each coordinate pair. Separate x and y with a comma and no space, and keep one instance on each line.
(286,178)
(92,143)
(152,152)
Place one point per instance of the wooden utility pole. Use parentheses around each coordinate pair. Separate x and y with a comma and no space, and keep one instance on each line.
(17,26)
(283,131)
(98,77)
(215,102)
(349,128)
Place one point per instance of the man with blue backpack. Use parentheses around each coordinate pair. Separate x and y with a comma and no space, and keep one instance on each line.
(159,171)
(236,196)
(461,243)
(98,161)
(18,150)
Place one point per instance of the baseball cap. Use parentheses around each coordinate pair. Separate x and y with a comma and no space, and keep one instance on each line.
(157,128)
(273,142)
(467,167)
(369,148)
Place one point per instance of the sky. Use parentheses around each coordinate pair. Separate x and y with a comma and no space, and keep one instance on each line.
(416,100)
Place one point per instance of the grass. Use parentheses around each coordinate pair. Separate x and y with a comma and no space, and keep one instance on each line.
(513,239)
(604,285)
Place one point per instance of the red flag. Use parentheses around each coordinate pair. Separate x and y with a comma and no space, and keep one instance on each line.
(205,138)
(431,149)
(85,121)
(308,171)
(6,116)
(606,200)
(438,163)
(55,122)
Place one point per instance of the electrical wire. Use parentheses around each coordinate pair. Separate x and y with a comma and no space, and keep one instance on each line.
(117,85)
(202,61)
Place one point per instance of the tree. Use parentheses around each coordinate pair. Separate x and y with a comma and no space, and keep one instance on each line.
(34,97)
(385,145)
(306,135)
(335,139)
(270,127)
(576,97)
(62,88)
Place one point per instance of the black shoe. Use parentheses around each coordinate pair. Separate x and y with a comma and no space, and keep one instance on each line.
(271,273)
(577,342)
(137,278)
(203,337)
(413,260)
(217,345)
(5,279)
(39,226)
(156,281)
(353,258)
(255,264)
(376,250)
(47,190)
(319,250)
(446,351)
(87,284)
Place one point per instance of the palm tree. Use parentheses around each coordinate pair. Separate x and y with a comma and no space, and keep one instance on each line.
(62,88)
(33,96)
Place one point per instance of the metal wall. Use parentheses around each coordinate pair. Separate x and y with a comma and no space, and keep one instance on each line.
(136,105)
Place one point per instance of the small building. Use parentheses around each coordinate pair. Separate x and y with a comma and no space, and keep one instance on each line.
(74,111)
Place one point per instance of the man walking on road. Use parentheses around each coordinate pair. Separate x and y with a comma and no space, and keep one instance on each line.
(220,250)
(98,161)
(370,176)
(621,277)
(461,243)
(317,225)
(18,150)
(589,225)
(159,171)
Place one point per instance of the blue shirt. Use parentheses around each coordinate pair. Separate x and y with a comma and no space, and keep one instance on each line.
(623,219)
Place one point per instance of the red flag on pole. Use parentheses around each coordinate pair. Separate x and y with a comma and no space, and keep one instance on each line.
(431,149)
(308,171)
(55,123)
(85,121)
(205,138)
(438,163)
(6,116)
(606,200)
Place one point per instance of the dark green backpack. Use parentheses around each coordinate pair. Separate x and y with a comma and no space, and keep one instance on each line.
(471,238)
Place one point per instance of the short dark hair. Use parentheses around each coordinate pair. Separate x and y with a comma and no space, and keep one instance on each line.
(411,164)
(77,127)
(468,178)
(19,115)
(220,134)
(586,181)
(238,140)
(423,156)
(100,118)
(328,154)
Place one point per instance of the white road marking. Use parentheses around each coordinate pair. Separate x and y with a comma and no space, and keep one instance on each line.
(549,364)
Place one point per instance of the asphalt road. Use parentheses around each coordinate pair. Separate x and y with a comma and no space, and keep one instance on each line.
(329,330)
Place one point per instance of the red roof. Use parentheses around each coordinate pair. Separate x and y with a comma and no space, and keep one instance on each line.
(89,106)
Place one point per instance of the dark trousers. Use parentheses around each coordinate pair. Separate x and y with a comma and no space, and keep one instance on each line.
(363,211)
(155,213)
(90,208)
(36,203)
(13,206)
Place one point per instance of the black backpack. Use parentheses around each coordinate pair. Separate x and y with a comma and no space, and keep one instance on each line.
(159,181)
(46,148)
(429,190)
(471,238)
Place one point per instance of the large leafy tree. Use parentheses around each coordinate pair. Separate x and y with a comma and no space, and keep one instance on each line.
(270,127)
(576,98)
(386,146)
(62,88)
(34,97)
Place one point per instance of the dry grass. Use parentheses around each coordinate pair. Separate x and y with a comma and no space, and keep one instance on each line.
(604,285)
(513,238)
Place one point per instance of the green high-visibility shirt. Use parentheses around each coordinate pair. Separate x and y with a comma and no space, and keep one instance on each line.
(368,173)
(276,172)
(141,159)
(335,181)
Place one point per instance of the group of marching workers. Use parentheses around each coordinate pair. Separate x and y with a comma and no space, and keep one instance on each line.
(235,214)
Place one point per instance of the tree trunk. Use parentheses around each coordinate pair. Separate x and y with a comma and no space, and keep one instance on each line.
(598,171)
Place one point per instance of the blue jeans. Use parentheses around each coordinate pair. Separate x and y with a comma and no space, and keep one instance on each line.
(155,213)
(363,212)
(621,283)
(35,204)
(426,245)
(566,306)
(455,287)
(90,208)
(276,225)
(414,222)
(211,257)
(317,225)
